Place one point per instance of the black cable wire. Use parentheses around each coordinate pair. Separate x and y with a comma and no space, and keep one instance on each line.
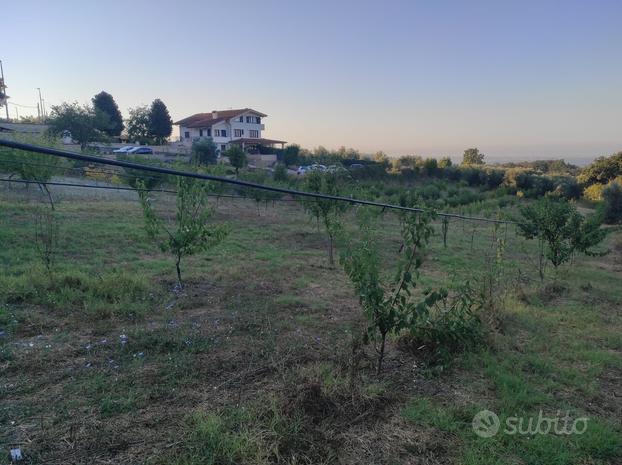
(122,188)
(90,186)
(188,174)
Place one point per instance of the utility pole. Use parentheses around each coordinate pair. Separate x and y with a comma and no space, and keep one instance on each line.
(41,104)
(3,90)
(38,111)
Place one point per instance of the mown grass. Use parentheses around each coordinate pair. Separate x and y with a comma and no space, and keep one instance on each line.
(251,363)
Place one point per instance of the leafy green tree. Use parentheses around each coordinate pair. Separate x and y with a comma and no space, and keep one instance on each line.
(382,159)
(444,162)
(237,157)
(192,230)
(390,307)
(291,154)
(138,125)
(160,122)
(430,166)
(204,151)
(83,122)
(602,170)
(472,157)
(325,210)
(104,103)
(612,205)
(560,230)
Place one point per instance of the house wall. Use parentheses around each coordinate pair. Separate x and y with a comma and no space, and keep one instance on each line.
(229,126)
(261,161)
(246,127)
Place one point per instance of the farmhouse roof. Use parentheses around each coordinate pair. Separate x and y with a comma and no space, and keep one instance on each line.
(204,120)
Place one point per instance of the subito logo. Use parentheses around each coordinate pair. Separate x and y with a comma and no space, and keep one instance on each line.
(486,424)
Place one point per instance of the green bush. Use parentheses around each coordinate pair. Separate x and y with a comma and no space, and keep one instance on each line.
(612,208)
(280,172)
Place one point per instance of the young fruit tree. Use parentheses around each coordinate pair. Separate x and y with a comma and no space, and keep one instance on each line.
(46,239)
(561,231)
(191,231)
(32,166)
(390,307)
(325,211)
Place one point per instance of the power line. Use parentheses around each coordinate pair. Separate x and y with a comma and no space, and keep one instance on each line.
(21,106)
(207,177)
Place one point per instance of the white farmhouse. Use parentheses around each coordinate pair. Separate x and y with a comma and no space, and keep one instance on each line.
(227,127)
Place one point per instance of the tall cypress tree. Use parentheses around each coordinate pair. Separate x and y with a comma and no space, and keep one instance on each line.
(160,122)
(105,104)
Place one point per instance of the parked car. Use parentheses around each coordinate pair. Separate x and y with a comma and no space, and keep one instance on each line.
(301,170)
(141,151)
(125,149)
(356,166)
(317,167)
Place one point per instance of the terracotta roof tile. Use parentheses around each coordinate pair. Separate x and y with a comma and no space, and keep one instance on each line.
(203,120)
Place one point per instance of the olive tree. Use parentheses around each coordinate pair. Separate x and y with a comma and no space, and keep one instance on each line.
(192,230)
(204,151)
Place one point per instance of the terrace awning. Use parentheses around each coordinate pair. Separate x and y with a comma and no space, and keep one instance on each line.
(245,141)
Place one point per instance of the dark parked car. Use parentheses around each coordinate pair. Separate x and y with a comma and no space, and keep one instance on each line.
(141,151)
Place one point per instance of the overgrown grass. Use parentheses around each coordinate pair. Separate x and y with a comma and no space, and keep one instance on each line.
(251,363)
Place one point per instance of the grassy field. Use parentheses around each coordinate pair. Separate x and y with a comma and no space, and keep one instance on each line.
(103,363)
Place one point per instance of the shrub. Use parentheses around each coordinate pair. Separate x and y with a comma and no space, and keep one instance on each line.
(612,209)
(452,325)
(280,172)
(594,192)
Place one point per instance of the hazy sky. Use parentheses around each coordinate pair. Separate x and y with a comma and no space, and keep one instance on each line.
(519,79)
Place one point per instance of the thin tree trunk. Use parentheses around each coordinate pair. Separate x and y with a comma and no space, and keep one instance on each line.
(541,261)
(331,259)
(47,191)
(177,262)
(381,354)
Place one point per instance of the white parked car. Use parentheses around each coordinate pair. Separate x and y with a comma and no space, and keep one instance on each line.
(317,167)
(301,170)
(125,149)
